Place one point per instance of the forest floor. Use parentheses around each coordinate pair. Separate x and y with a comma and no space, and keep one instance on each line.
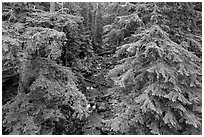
(97,92)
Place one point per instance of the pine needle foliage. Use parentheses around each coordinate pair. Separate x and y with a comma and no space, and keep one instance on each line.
(158,80)
(48,100)
(10,63)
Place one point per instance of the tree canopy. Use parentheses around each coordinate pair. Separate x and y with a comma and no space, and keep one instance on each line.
(102,68)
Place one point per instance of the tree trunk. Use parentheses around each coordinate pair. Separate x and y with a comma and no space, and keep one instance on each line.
(52,7)
(95,24)
(98,28)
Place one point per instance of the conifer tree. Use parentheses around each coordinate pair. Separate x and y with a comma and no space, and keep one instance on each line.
(48,99)
(158,81)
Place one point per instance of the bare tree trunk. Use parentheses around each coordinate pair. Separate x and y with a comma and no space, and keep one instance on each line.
(62,7)
(98,28)
(95,23)
(52,7)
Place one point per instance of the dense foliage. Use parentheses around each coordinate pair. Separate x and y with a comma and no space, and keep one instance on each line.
(158,81)
(102,68)
(47,93)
